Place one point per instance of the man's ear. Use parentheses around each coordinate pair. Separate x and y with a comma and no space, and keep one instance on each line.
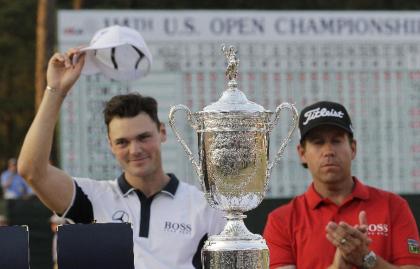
(301,153)
(162,131)
(353,146)
(109,142)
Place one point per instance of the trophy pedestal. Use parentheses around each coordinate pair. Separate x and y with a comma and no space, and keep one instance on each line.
(235,248)
(235,254)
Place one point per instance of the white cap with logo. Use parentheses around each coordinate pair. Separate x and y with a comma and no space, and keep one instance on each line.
(119,53)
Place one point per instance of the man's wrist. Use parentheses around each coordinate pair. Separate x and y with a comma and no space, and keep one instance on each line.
(53,90)
(369,260)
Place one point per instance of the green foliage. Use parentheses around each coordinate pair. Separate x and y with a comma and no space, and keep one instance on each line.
(17,47)
(250,4)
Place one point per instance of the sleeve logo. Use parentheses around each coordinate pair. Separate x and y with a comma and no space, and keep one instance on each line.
(413,246)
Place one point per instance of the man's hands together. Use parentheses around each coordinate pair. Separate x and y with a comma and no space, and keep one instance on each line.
(352,243)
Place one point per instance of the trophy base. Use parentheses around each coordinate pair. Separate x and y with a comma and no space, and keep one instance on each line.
(219,253)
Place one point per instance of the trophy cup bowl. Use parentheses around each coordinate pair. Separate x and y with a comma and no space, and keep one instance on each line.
(233,159)
(233,168)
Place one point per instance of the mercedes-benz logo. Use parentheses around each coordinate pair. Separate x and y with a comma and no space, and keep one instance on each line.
(120,216)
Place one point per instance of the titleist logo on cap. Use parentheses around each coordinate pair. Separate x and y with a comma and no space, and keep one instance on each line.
(318,113)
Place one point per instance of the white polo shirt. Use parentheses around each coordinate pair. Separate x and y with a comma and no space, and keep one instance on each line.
(169,228)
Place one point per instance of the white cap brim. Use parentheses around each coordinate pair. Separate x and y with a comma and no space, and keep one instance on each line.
(90,68)
(94,64)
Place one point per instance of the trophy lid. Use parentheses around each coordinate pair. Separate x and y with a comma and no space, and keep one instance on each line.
(233,99)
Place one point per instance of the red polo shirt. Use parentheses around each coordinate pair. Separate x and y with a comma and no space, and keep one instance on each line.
(295,233)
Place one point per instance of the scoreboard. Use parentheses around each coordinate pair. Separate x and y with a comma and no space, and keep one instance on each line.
(368,61)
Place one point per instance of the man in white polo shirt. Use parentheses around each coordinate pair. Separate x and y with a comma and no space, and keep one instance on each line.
(171,219)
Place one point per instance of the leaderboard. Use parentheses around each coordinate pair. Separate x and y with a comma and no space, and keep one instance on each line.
(371,64)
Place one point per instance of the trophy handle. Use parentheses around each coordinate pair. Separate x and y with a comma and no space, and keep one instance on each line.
(286,140)
(193,124)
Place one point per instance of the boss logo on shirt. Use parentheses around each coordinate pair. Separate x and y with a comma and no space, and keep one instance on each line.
(378,229)
(173,227)
(120,216)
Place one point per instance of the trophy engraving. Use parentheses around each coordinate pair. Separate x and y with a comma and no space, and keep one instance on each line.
(233,167)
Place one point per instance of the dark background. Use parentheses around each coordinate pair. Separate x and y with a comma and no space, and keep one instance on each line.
(32,213)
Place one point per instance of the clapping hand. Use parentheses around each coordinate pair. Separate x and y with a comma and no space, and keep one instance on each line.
(352,242)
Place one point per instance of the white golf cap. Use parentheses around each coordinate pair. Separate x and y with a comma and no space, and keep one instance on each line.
(119,53)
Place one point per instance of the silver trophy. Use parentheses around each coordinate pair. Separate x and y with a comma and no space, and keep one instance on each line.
(233,167)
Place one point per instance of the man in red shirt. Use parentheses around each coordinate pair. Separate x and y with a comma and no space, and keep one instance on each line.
(339,223)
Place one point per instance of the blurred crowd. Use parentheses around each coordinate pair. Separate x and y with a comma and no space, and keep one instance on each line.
(13,187)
